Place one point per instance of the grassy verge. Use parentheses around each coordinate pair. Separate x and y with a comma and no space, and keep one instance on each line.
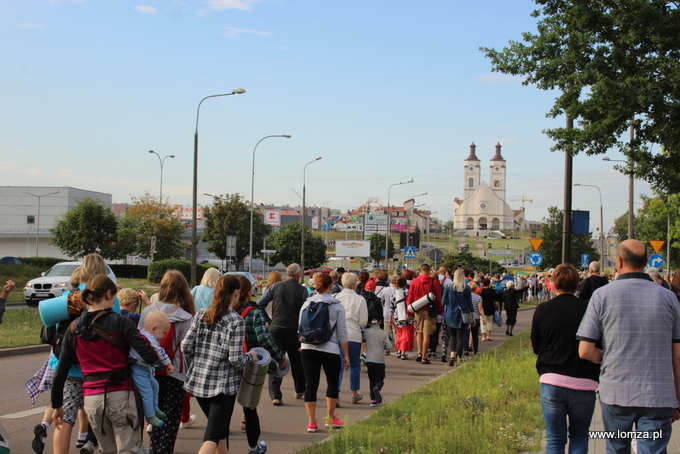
(20,327)
(491,405)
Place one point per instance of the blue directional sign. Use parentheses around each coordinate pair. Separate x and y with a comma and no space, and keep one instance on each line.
(410,252)
(655,261)
(535,259)
(585,260)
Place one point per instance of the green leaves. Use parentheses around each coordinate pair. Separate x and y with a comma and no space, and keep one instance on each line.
(287,243)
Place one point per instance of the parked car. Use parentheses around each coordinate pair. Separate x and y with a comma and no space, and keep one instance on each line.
(55,282)
(7,260)
(321,269)
(248,276)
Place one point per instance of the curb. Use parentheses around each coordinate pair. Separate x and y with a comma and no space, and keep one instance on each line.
(6,352)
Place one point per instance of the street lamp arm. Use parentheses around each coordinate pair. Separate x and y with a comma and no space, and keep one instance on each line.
(235,91)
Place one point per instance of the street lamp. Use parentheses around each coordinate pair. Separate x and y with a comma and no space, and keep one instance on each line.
(304,188)
(631,196)
(389,215)
(601,238)
(252,196)
(162,161)
(194,221)
(37,229)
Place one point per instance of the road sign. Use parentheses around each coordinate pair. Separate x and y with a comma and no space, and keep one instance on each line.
(410,252)
(536,243)
(268,251)
(535,259)
(501,252)
(436,255)
(655,261)
(656,245)
(585,260)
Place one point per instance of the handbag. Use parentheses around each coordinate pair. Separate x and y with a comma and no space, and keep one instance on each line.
(467,316)
(497,318)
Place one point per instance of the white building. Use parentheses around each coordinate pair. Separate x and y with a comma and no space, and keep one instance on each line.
(28,212)
(484,207)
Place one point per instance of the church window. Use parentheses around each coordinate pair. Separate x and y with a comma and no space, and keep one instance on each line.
(496,183)
(471,182)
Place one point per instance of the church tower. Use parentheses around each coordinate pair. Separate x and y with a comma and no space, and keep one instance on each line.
(497,174)
(472,174)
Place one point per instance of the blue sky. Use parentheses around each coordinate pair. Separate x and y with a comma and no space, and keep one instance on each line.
(383,90)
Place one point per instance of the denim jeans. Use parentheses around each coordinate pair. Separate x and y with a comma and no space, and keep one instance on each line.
(559,403)
(354,349)
(655,421)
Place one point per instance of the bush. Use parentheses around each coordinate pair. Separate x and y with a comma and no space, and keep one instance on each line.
(20,274)
(157,269)
(130,271)
(44,263)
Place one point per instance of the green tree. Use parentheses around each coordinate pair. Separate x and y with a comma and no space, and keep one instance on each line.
(551,232)
(471,262)
(652,224)
(86,228)
(620,228)
(230,216)
(146,217)
(378,245)
(612,61)
(286,243)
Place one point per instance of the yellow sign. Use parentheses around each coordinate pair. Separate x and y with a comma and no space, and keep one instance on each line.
(656,245)
(536,243)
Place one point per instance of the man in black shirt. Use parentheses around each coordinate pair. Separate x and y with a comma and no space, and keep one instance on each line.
(592,282)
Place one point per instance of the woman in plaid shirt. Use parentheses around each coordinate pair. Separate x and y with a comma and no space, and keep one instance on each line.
(214,346)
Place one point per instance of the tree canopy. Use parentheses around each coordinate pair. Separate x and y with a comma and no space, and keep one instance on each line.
(551,232)
(286,243)
(651,224)
(146,217)
(378,245)
(86,228)
(230,216)
(613,61)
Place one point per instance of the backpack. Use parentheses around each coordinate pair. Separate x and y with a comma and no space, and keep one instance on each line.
(498,286)
(243,314)
(315,326)
(168,344)
(54,335)
(374,305)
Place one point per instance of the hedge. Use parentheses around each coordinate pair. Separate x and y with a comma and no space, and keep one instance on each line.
(130,271)
(157,269)
(44,263)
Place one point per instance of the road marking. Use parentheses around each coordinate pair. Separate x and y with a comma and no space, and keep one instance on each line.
(23,414)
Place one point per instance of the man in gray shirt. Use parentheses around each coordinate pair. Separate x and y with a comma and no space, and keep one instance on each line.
(639,325)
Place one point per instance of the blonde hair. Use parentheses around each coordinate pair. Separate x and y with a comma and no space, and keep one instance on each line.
(349,280)
(75,277)
(128,297)
(93,264)
(210,277)
(459,280)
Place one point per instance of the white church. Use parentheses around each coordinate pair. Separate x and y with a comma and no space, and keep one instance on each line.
(483,211)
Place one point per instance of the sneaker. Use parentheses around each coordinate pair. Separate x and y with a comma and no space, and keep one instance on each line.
(299,395)
(189,423)
(373,404)
(40,434)
(87,448)
(80,443)
(355,399)
(443,358)
(335,423)
(452,362)
(312,427)
(261,448)
(277,402)
(378,396)
(404,357)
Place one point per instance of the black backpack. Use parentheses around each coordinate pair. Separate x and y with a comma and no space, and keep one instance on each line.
(54,335)
(374,304)
(315,326)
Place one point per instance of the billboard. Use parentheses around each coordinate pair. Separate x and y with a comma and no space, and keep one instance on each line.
(272,217)
(345,222)
(349,248)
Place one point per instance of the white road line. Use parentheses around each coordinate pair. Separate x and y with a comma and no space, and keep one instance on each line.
(23,414)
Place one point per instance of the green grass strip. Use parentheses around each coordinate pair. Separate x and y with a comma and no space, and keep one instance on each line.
(490,405)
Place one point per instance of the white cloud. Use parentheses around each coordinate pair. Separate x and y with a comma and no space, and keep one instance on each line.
(231,32)
(146,9)
(28,25)
(221,5)
(498,78)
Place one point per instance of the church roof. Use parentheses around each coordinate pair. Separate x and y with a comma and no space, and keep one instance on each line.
(498,156)
(473,156)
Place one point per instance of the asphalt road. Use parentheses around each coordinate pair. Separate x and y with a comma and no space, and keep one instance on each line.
(283,428)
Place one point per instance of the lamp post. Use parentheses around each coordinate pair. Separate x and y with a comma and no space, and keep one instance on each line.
(37,229)
(252,197)
(601,237)
(389,225)
(631,196)
(194,234)
(302,229)
(162,161)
